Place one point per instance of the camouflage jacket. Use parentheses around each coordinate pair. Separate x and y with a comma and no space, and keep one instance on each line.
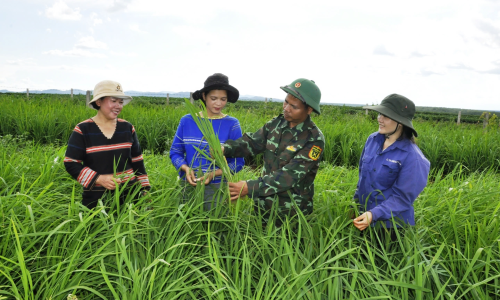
(291,160)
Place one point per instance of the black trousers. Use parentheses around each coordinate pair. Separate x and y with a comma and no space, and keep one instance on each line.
(189,192)
(91,198)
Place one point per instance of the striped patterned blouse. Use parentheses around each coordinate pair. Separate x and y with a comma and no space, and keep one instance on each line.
(90,154)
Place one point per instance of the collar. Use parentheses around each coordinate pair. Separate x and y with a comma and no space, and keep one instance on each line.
(402,144)
(306,125)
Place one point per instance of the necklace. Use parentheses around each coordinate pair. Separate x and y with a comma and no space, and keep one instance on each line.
(217,117)
(214,117)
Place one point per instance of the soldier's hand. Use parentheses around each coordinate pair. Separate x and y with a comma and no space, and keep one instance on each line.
(363,221)
(238,189)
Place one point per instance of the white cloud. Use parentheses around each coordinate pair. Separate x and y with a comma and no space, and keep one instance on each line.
(123,54)
(89,42)
(21,62)
(74,53)
(119,5)
(81,49)
(65,67)
(193,33)
(95,19)
(433,70)
(48,30)
(61,11)
(418,54)
(382,50)
(135,27)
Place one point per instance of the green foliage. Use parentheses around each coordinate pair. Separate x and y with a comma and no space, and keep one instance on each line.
(54,248)
(492,121)
(51,118)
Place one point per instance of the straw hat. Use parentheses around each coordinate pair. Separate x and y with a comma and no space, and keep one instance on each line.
(109,88)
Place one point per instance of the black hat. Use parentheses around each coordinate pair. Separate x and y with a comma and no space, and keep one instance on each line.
(397,108)
(218,81)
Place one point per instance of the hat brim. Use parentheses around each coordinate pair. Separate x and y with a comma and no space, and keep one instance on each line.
(126,99)
(232,93)
(294,93)
(391,114)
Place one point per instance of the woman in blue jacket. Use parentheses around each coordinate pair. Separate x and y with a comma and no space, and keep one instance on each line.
(215,94)
(392,169)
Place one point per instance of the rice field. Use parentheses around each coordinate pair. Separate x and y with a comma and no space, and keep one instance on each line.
(51,118)
(52,247)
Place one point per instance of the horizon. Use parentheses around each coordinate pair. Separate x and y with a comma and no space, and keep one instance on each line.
(164,94)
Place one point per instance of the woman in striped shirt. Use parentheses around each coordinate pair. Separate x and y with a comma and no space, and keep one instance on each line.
(104,151)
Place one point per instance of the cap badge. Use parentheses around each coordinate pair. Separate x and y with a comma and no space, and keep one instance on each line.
(118,88)
(298,84)
(291,148)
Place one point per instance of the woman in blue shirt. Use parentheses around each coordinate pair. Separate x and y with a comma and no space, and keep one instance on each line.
(215,94)
(392,169)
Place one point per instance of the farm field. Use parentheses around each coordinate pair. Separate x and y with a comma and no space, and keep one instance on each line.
(52,246)
(445,144)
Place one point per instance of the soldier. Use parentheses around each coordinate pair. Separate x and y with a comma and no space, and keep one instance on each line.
(293,147)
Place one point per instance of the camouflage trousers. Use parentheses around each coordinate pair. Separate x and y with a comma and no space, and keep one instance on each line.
(268,208)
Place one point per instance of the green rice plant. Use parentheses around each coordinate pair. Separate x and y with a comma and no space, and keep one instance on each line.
(52,246)
(51,119)
(173,251)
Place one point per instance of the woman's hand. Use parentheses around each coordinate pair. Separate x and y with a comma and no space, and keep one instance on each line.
(190,177)
(108,181)
(363,221)
(209,176)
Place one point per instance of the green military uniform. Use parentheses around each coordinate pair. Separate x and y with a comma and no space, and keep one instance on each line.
(291,157)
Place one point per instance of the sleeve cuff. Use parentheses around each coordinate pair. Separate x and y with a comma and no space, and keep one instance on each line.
(229,146)
(375,214)
(227,149)
(87,177)
(253,188)
(178,163)
(144,180)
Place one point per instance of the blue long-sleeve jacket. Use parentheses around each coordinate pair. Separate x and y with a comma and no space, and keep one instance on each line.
(390,180)
(189,135)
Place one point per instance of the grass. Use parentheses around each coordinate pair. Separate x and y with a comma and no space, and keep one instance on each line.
(52,246)
(445,144)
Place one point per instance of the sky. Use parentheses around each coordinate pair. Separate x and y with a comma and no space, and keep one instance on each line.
(443,53)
